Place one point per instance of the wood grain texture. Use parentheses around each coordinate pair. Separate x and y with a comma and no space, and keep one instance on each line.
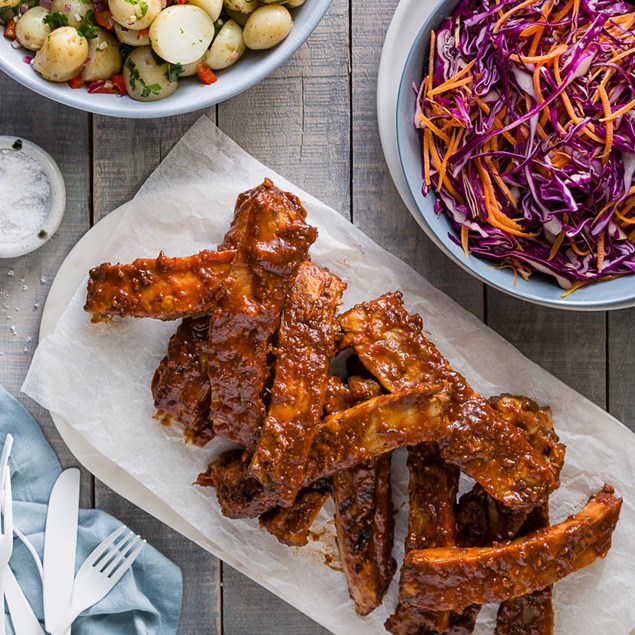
(621,365)
(571,345)
(249,610)
(377,207)
(25,281)
(118,172)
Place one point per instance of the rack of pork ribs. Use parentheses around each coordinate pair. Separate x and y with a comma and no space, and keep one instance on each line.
(250,362)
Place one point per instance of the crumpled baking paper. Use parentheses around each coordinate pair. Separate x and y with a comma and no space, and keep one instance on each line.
(97,377)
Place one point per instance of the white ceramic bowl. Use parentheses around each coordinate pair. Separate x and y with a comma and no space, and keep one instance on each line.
(191,95)
(58,198)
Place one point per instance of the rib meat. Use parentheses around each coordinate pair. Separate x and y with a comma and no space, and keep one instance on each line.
(291,525)
(390,343)
(180,386)
(388,422)
(363,518)
(304,348)
(528,614)
(162,288)
(455,578)
(432,489)
(247,310)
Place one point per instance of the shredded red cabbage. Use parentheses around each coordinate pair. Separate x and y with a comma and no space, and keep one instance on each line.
(528,134)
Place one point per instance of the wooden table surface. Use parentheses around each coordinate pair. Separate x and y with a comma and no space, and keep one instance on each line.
(313,121)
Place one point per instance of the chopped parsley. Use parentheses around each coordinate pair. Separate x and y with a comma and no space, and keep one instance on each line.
(56,19)
(173,72)
(135,76)
(87,27)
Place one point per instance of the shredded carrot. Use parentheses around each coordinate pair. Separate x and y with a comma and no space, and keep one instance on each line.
(609,123)
(600,251)
(539,96)
(442,88)
(464,240)
(556,245)
(566,9)
(621,55)
(618,113)
(535,59)
(577,250)
(433,39)
(426,155)
(574,287)
(434,128)
(516,9)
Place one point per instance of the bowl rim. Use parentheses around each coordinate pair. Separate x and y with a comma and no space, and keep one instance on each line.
(58,198)
(309,16)
(527,291)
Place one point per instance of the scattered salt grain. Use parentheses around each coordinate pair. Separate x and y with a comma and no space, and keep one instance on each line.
(36,306)
(26,197)
(11,273)
(43,280)
(25,287)
(13,330)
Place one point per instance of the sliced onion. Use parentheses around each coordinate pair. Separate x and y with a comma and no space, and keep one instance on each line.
(46,4)
(96,85)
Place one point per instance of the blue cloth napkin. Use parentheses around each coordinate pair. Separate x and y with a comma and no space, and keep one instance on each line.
(147,600)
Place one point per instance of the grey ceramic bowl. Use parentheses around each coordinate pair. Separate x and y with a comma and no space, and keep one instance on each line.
(190,95)
(613,294)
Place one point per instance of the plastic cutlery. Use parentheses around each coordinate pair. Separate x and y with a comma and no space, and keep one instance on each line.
(101,571)
(6,513)
(22,615)
(60,541)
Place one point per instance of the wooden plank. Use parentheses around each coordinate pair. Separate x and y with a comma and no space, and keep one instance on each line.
(378,209)
(621,368)
(249,609)
(297,121)
(25,281)
(571,345)
(125,152)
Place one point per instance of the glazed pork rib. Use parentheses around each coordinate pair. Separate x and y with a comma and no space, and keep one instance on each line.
(453,578)
(291,525)
(432,489)
(161,288)
(390,343)
(304,348)
(180,386)
(364,520)
(246,313)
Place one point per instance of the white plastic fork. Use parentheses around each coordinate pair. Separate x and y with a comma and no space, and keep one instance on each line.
(6,528)
(101,571)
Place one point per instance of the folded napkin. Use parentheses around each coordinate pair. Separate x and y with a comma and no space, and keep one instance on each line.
(147,600)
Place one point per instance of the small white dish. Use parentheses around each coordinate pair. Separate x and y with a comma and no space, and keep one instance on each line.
(53,218)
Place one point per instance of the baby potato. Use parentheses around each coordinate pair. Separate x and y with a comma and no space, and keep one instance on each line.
(135,14)
(242,6)
(211,7)
(190,69)
(227,47)
(31,30)
(181,33)
(145,79)
(104,58)
(74,10)
(62,54)
(267,26)
(293,4)
(8,3)
(130,37)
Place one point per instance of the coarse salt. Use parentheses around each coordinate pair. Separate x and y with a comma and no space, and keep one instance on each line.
(26,196)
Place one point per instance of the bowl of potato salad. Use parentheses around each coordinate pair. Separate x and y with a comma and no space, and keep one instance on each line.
(149,58)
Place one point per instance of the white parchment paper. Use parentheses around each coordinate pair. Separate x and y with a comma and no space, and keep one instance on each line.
(97,377)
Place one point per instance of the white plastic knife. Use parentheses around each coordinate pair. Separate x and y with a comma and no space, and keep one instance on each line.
(22,615)
(60,541)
